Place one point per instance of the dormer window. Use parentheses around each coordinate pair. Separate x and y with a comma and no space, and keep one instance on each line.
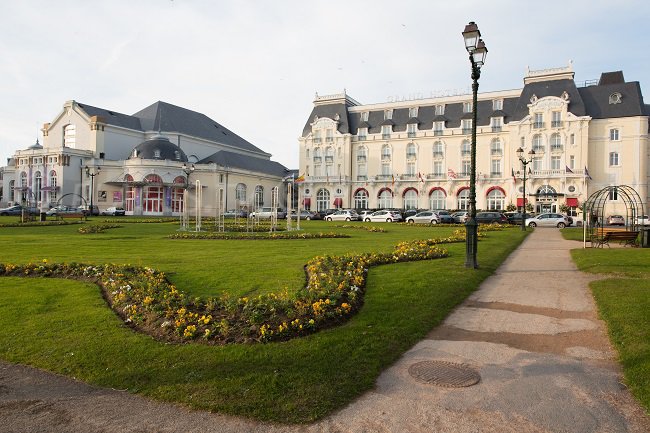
(362,134)
(156,153)
(497,104)
(440,110)
(615,98)
(496,123)
(364,116)
(411,130)
(329,135)
(177,154)
(413,112)
(388,114)
(467,107)
(317,136)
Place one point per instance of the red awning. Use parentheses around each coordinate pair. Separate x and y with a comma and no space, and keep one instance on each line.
(520,201)
(338,202)
(572,202)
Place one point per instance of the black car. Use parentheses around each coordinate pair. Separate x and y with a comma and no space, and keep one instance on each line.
(491,217)
(445,216)
(516,217)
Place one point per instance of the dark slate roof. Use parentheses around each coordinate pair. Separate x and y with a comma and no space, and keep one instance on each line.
(162,116)
(167,117)
(549,88)
(413,120)
(112,117)
(166,150)
(329,111)
(596,99)
(245,162)
(615,77)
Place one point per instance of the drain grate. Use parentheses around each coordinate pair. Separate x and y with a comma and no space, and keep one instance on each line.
(443,373)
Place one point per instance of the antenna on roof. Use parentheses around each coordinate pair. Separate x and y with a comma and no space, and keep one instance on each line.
(160,120)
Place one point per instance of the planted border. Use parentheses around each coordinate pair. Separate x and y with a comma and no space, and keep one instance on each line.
(255,235)
(98,228)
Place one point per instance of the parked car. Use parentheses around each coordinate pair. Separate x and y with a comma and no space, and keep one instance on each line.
(114,211)
(643,220)
(615,220)
(91,210)
(304,215)
(364,213)
(343,215)
(548,220)
(267,212)
(383,215)
(238,213)
(445,216)
(425,217)
(491,218)
(18,210)
(63,209)
(325,212)
(460,217)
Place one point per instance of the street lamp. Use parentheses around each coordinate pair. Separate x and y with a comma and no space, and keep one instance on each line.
(525,162)
(477,52)
(92,175)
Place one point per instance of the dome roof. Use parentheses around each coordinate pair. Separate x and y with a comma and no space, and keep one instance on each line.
(35,146)
(158,147)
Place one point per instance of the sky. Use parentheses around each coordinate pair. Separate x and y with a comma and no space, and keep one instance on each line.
(255,66)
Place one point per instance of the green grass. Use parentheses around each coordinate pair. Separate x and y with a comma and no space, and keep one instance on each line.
(624,304)
(65,326)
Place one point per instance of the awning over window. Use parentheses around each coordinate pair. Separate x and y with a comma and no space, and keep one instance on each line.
(306,202)
(520,201)
(572,202)
(338,202)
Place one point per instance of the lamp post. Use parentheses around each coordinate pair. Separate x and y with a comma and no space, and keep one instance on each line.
(524,162)
(477,52)
(92,174)
(186,200)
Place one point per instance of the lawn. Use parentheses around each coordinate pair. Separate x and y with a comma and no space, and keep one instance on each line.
(624,304)
(66,327)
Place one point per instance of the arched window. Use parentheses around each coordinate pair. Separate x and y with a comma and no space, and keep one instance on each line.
(317,153)
(411,199)
(495,147)
(12,194)
(53,184)
(410,151)
(129,204)
(240,192)
(438,149)
(329,154)
(437,200)
(496,199)
(465,148)
(361,199)
(69,136)
(38,185)
(538,145)
(546,190)
(385,152)
(322,200)
(153,195)
(556,141)
(361,153)
(178,194)
(259,197)
(463,199)
(385,199)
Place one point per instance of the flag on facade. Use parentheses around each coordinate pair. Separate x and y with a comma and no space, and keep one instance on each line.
(568,170)
(451,173)
(300,178)
(530,172)
(420,176)
(514,179)
(392,183)
(587,173)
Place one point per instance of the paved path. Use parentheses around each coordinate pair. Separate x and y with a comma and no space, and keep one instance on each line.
(530,330)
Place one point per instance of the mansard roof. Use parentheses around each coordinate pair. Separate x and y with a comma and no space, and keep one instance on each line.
(225,158)
(593,101)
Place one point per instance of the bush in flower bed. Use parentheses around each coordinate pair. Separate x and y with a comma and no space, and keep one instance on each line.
(147,300)
(100,228)
(242,227)
(372,229)
(140,221)
(41,223)
(254,236)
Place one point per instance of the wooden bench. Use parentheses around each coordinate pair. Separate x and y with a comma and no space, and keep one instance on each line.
(82,216)
(603,237)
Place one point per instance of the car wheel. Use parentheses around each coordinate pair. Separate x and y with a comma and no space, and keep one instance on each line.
(4,214)
(367,220)
(532,225)
(561,225)
(434,222)
(328,219)
(410,221)
(388,220)
(308,218)
(347,219)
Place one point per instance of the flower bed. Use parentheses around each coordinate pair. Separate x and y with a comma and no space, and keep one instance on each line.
(144,297)
(41,223)
(255,236)
(100,228)
(373,229)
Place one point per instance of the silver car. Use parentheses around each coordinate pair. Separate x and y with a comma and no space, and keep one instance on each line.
(425,217)
(548,220)
(383,216)
(343,215)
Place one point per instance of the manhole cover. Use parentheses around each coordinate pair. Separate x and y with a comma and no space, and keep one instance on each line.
(444,373)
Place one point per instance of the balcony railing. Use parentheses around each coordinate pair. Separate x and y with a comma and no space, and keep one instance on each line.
(329,139)
(317,140)
(496,174)
(329,159)
(496,152)
(556,123)
(539,149)
(556,147)
(467,130)
(438,154)
(436,175)
(384,177)
(362,177)
(362,137)
(318,159)
(496,128)
(538,125)
(438,132)
(549,173)
(385,157)
(385,136)
(361,158)
(411,155)
(465,153)
(409,177)
(410,134)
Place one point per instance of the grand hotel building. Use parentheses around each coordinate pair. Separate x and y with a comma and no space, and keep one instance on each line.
(416,154)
